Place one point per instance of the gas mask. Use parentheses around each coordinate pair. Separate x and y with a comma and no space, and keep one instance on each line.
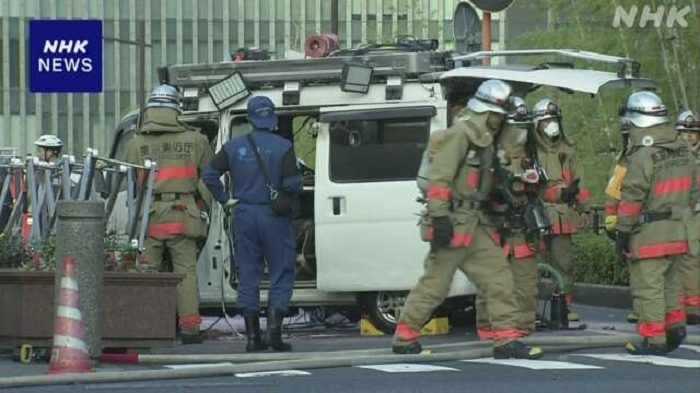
(552,129)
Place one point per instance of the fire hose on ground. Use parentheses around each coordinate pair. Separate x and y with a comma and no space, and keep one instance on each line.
(313,360)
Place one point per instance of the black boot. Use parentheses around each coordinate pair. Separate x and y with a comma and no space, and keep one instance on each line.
(646,349)
(516,350)
(413,348)
(675,337)
(692,319)
(252,332)
(274,330)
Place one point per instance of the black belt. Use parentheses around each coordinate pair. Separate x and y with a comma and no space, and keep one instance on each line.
(648,218)
(471,205)
(515,221)
(173,195)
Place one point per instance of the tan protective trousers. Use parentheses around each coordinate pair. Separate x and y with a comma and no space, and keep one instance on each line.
(689,277)
(483,263)
(525,278)
(561,254)
(655,286)
(183,252)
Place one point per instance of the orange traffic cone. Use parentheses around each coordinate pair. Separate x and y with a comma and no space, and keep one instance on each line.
(70,352)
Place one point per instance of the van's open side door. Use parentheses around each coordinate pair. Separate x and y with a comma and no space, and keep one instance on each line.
(365,195)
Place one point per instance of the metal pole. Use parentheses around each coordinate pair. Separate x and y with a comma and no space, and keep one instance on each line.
(142,64)
(334,16)
(486,36)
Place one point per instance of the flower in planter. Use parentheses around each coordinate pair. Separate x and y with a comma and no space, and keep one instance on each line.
(42,255)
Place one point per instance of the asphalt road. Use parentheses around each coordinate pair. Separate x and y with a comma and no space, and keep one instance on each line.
(600,370)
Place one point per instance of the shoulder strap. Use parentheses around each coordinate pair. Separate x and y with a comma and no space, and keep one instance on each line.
(261,163)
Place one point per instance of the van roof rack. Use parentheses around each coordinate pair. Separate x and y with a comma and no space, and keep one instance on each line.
(409,65)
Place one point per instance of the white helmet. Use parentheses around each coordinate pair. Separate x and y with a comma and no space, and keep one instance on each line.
(644,109)
(687,122)
(164,96)
(491,96)
(49,141)
(518,113)
(545,109)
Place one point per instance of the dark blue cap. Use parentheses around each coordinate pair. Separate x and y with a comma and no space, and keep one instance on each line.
(261,113)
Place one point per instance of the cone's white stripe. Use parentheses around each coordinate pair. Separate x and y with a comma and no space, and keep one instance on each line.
(70,312)
(69,283)
(69,342)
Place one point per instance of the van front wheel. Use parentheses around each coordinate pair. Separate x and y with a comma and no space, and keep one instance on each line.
(383,308)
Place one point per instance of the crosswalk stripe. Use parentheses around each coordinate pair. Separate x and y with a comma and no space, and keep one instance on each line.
(695,348)
(534,364)
(196,365)
(653,360)
(406,368)
(282,373)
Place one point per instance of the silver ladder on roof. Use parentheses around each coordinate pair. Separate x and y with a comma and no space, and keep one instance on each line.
(320,70)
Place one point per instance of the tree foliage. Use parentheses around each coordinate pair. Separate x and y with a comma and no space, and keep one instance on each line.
(588,25)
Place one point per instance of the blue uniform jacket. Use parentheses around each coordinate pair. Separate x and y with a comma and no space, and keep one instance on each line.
(237,158)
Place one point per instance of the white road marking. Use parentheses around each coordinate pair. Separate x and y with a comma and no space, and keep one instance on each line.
(534,364)
(407,368)
(653,360)
(197,365)
(695,348)
(281,373)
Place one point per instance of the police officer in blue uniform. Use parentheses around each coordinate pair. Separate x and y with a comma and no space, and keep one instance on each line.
(259,233)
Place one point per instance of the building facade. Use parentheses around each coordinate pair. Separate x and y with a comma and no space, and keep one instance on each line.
(180,31)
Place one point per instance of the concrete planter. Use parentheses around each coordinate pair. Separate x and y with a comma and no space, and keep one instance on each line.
(139,309)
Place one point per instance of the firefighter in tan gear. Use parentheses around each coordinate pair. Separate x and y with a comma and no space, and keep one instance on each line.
(564,199)
(655,224)
(612,199)
(175,222)
(688,125)
(461,231)
(517,244)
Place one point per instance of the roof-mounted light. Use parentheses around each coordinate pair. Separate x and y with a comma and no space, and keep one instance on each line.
(356,78)
(229,90)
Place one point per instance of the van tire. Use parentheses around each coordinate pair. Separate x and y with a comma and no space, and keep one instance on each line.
(381,308)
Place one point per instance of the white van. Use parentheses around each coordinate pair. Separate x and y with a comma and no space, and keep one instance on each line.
(357,237)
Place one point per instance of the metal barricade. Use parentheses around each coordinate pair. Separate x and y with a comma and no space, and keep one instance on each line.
(38,186)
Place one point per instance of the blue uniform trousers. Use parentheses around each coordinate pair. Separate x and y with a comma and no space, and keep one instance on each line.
(260,236)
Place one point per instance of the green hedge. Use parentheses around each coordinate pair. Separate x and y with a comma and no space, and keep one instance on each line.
(595,261)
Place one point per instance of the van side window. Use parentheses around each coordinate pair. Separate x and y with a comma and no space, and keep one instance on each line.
(377,150)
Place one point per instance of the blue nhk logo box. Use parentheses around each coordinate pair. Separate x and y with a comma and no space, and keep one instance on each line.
(65,56)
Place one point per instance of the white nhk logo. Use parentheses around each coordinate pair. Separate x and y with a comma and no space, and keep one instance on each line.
(61,64)
(674,16)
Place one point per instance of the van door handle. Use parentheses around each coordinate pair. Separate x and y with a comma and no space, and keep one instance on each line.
(338,205)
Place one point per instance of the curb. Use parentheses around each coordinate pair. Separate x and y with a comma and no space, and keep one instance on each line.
(594,294)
